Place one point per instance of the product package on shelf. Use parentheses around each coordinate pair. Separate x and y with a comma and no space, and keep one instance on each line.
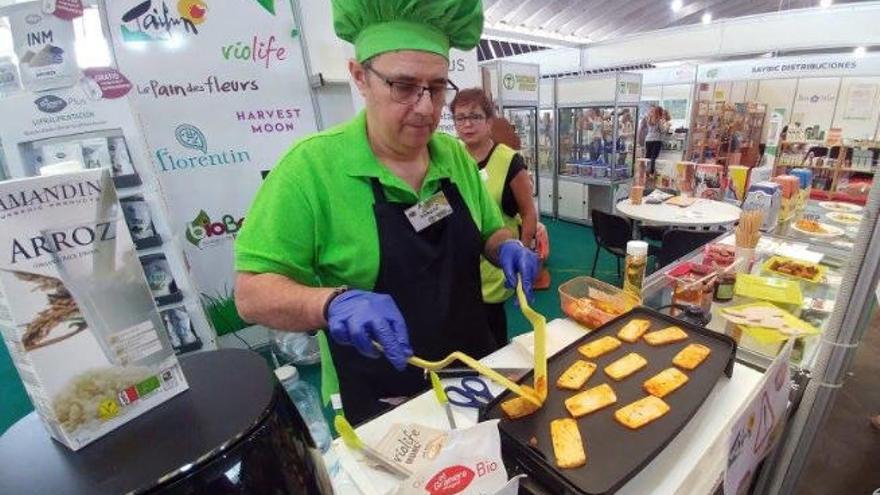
(805,176)
(685,177)
(44,45)
(161,279)
(863,159)
(790,192)
(100,149)
(708,181)
(10,82)
(737,183)
(76,312)
(180,330)
(140,222)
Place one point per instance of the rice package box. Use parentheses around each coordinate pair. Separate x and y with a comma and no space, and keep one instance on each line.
(76,311)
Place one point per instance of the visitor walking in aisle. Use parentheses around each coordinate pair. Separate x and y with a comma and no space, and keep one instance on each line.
(651,131)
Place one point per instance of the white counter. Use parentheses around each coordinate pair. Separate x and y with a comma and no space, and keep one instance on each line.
(692,463)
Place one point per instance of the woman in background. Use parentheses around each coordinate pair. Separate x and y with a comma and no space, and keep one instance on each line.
(507,179)
(597,135)
(651,131)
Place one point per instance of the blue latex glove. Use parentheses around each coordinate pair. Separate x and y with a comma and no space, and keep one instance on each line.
(517,260)
(357,318)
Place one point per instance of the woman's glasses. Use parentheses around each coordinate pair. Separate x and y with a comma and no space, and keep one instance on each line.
(474,118)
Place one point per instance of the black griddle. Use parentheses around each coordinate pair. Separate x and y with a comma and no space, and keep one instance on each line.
(614,452)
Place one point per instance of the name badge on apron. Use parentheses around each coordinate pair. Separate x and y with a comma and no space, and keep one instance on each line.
(428,212)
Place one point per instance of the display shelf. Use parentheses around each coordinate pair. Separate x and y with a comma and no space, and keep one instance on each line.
(596,121)
(658,292)
(173,298)
(524,121)
(831,181)
(598,135)
(546,144)
(725,133)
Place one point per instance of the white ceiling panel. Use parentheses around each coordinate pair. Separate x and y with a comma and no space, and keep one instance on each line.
(574,22)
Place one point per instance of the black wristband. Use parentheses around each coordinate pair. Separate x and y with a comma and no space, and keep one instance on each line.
(336,292)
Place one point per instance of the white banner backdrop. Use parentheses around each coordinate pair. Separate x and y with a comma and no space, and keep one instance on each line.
(465,73)
(221,91)
(789,67)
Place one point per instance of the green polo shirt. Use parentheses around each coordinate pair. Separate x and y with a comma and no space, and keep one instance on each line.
(312,219)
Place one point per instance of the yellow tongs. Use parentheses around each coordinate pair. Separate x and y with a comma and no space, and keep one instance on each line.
(539,325)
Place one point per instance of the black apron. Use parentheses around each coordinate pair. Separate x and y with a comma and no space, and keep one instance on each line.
(434,277)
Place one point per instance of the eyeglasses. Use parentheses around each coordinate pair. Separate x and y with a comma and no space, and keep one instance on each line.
(410,94)
(474,118)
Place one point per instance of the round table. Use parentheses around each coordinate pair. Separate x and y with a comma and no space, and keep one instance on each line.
(703,213)
(233,431)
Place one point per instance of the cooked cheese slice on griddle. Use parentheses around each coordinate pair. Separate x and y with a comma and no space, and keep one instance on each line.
(599,347)
(633,331)
(665,382)
(641,412)
(576,375)
(590,400)
(625,366)
(666,336)
(691,356)
(568,446)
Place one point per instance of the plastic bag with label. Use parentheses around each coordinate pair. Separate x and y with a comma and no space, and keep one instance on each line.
(469,463)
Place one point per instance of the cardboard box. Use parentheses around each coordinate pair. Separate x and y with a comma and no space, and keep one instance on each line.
(765,196)
(76,311)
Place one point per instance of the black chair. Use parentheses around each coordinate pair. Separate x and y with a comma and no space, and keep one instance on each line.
(679,242)
(612,233)
(655,232)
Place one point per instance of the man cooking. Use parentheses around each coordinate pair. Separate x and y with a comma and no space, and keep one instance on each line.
(374,229)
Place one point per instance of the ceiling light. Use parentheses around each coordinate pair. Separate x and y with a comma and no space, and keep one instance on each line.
(676,5)
(536,32)
(707,18)
(859,51)
(825,3)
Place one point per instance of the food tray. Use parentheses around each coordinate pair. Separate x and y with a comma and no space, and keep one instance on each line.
(614,453)
(614,301)
(820,270)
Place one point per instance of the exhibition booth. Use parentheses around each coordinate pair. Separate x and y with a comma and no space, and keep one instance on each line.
(136,135)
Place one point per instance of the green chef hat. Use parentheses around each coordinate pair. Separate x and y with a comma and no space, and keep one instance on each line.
(379,26)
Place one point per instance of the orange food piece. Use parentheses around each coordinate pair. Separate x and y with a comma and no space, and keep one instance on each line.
(519,407)
(591,312)
(810,226)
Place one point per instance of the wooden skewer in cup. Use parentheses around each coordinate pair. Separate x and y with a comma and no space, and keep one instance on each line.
(748,231)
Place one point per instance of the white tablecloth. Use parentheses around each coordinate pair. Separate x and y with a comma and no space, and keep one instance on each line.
(705,212)
(691,464)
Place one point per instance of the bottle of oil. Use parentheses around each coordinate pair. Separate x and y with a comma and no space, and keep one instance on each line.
(636,261)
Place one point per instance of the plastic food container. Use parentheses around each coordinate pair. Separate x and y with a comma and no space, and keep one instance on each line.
(592,303)
(785,293)
(692,284)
